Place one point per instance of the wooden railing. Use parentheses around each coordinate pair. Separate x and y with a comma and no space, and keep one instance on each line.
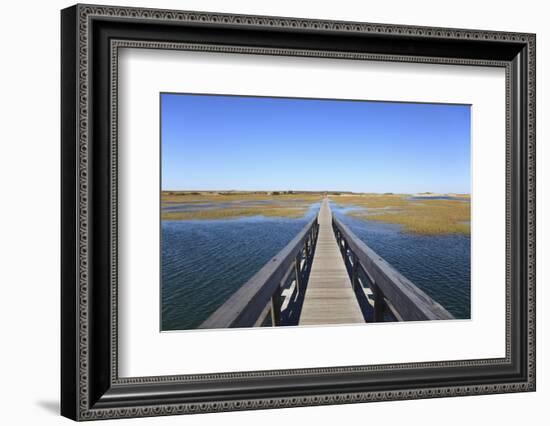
(393,296)
(260,300)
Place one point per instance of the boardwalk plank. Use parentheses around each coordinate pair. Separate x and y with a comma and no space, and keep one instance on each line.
(329,297)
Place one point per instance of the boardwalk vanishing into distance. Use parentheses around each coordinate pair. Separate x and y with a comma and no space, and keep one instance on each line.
(325,275)
(329,297)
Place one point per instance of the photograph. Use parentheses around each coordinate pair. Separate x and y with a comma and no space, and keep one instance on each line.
(278,211)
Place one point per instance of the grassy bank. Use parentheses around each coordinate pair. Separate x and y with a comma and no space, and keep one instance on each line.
(426,216)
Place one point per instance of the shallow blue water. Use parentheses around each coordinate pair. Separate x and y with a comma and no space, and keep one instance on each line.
(205,262)
(189,207)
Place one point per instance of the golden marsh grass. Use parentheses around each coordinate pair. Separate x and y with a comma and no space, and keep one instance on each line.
(292,205)
(231,213)
(420,216)
(423,216)
(223,197)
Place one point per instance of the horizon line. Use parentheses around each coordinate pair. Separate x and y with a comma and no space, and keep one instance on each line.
(307,190)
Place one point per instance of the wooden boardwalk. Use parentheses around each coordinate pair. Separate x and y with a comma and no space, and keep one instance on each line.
(329,297)
(305,286)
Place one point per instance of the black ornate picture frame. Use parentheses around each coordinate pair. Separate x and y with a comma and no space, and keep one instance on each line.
(90,38)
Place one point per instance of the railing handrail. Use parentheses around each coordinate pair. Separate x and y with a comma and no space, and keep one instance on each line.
(411,303)
(246,305)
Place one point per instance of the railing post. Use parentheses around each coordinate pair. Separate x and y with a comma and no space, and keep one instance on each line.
(379,304)
(298,274)
(354,271)
(346,256)
(315,233)
(311,243)
(276,308)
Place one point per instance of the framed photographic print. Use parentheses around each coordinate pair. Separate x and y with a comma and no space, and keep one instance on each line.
(263,212)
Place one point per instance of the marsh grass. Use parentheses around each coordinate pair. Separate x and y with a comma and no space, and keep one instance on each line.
(420,216)
(230,213)
(427,216)
(224,197)
(293,205)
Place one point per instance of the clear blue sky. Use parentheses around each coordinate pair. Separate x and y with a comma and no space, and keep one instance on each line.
(212,142)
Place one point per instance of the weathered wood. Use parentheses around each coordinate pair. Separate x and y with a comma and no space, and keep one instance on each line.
(379,304)
(411,303)
(287,274)
(263,316)
(329,297)
(298,273)
(246,305)
(276,309)
(355,272)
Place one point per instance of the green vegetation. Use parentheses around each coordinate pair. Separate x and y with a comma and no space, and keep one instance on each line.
(428,216)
